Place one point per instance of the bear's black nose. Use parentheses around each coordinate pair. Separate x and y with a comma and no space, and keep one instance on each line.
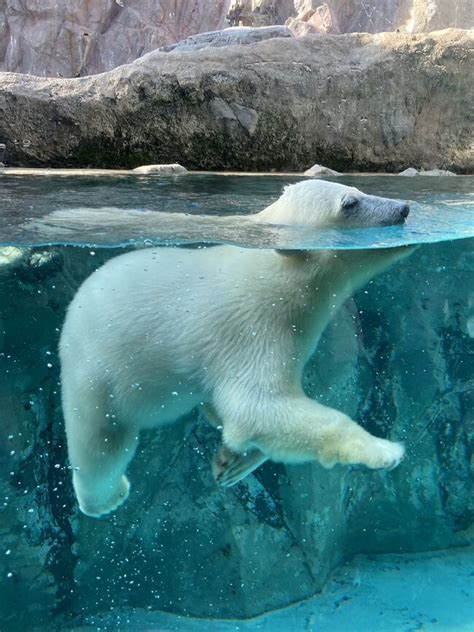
(404,210)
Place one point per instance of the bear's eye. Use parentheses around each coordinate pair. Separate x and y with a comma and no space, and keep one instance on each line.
(349,203)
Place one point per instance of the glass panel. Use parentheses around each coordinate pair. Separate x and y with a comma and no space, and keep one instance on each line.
(397,357)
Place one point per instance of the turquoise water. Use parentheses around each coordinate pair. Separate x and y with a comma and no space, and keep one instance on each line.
(123,211)
(291,547)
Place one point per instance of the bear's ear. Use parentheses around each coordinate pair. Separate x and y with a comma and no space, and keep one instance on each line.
(349,202)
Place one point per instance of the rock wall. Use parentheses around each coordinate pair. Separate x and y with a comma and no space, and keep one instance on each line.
(398,357)
(376,16)
(355,102)
(70,38)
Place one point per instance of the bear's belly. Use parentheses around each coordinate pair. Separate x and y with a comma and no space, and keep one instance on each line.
(150,399)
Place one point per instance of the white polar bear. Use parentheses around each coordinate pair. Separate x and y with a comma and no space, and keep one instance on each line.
(154,333)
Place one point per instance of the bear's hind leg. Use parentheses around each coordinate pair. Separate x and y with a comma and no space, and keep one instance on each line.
(231,467)
(100,450)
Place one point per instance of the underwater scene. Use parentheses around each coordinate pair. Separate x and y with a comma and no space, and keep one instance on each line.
(297,395)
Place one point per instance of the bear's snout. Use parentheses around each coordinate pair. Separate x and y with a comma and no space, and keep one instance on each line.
(403,211)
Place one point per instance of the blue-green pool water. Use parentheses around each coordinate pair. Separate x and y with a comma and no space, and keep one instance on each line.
(200,208)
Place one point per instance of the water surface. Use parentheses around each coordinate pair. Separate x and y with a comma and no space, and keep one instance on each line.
(119,211)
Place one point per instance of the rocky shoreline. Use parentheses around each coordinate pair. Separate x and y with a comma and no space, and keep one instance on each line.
(355,102)
(106,173)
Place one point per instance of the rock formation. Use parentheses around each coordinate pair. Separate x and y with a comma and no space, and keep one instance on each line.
(313,18)
(232,36)
(354,102)
(375,16)
(70,38)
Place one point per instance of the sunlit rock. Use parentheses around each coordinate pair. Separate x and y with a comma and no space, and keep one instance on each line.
(319,170)
(238,35)
(163,170)
(411,171)
(436,172)
(73,38)
(313,17)
(70,39)
(281,104)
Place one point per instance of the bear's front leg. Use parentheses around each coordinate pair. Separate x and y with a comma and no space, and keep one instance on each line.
(355,446)
(297,429)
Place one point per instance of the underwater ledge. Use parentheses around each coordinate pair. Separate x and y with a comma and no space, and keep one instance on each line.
(379,593)
(398,357)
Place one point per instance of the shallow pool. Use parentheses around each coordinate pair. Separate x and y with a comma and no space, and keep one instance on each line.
(398,357)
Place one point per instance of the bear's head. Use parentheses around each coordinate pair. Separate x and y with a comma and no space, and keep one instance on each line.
(322,203)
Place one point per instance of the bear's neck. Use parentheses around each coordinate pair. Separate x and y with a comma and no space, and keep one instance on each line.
(316,283)
(342,270)
(321,281)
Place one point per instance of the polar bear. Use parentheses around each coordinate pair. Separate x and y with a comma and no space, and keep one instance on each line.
(157,332)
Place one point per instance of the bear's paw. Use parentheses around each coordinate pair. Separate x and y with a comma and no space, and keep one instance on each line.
(95,506)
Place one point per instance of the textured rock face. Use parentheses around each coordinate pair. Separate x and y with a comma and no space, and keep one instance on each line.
(228,37)
(398,358)
(313,18)
(375,16)
(70,38)
(350,102)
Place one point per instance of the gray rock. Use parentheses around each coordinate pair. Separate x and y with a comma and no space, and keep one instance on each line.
(163,170)
(278,104)
(222,112)
(71,39)
(436,172)
(319,170)
(411,171)
(313,17)
(237,35)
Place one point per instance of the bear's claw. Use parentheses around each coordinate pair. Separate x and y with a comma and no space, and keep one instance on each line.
(231,467)
(388,455)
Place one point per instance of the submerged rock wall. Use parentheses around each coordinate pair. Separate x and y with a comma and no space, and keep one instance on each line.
(398,358)
(351,102)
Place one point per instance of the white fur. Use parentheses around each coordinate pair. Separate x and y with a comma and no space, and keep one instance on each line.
(319,203)
(156,332)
